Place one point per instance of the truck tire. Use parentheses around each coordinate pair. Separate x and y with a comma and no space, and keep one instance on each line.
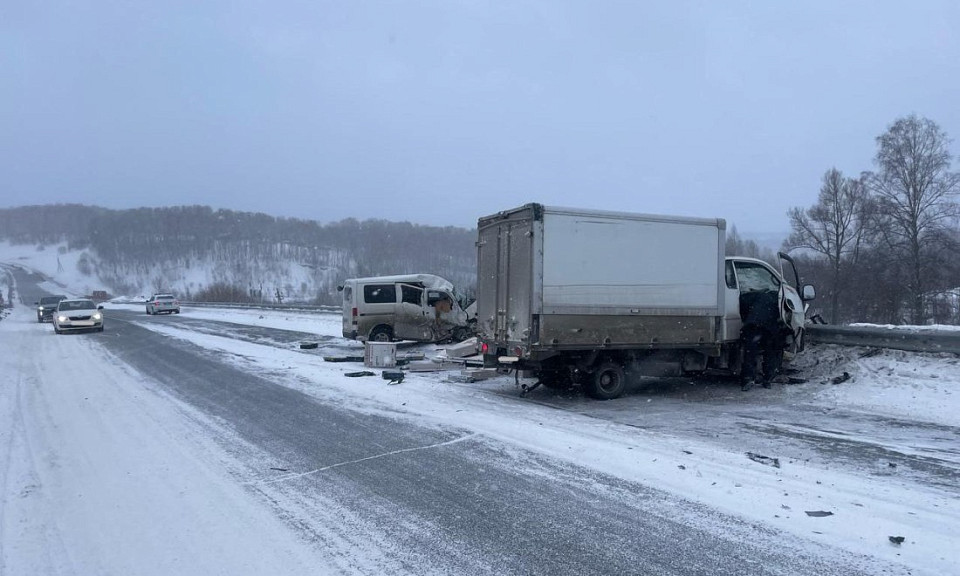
(607,381)
(381,333)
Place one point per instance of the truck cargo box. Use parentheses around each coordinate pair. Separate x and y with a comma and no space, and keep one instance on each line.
(561,278)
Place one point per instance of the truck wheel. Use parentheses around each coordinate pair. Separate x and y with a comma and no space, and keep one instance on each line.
(607,382)
(381,333)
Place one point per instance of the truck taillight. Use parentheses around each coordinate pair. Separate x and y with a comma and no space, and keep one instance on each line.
(518,351)
(484,348)
(354,312)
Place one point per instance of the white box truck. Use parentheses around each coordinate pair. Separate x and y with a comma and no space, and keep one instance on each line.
(580,296)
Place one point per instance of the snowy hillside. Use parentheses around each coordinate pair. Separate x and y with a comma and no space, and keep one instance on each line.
(199,253)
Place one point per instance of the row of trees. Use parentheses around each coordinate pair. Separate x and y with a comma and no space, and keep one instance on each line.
(171,247)
(881,246)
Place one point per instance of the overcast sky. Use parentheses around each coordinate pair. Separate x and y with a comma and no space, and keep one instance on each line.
(439,112)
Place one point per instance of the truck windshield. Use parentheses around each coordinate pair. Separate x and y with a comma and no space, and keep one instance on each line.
(755,277)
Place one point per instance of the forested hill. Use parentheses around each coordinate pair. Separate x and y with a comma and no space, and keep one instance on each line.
(194,250)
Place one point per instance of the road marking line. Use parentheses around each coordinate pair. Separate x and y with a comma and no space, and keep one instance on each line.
(339,464)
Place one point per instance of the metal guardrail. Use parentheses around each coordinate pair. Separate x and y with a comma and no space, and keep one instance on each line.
(895,338)
(313,308)
(263,306)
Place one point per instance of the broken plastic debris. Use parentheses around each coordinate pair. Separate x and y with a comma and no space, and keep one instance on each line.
(840,379)
(765,460)
(343,358)
(394,376)
(818,513)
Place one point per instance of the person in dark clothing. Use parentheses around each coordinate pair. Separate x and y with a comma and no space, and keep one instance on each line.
(762,336)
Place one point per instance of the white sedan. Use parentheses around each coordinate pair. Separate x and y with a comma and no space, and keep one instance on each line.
(77,315)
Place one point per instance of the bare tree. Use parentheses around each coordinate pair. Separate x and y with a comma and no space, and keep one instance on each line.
(737,245)
(915,191)
(833,227)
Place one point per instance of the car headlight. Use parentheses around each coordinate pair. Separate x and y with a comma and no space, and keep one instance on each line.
(61,318)
(40,308)
(98,316)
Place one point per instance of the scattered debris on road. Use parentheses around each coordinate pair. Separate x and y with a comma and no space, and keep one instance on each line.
(359,374)
(394,376)
(897,540)
(840,379)
(462,349)
(477,374)
(308,345)
(818,513)
(765,460)
(424,366)
(343,358)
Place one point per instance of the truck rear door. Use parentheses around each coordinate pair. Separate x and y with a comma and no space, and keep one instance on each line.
(504,281)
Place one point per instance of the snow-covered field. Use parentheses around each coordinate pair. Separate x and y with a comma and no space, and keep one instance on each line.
(867,506)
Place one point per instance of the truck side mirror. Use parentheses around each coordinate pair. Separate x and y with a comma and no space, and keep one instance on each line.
(808,293)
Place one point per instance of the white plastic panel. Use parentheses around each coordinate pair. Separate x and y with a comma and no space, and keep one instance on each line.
(593,260)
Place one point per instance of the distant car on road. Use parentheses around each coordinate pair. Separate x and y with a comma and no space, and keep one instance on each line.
(163,304)
(46,306)
(77,315)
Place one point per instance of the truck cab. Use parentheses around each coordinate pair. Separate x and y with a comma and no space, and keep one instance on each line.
(744,275)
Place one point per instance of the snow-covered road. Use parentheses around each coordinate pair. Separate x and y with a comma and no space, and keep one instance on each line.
(112,468)
(684,437)
(102,473)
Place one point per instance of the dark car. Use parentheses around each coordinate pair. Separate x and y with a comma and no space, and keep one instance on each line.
(47,306)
